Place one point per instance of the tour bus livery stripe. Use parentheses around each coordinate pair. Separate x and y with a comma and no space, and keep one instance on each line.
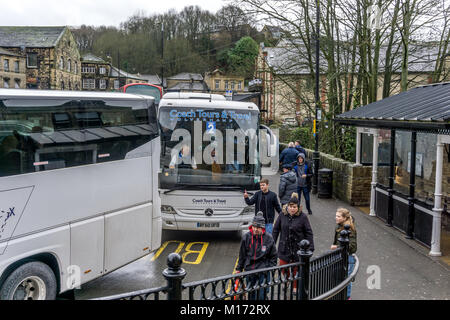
(74,221)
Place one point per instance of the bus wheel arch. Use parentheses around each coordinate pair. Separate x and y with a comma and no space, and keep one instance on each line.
(45,264)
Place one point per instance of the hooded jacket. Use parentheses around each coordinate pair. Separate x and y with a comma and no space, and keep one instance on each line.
(352,246)
(256,252)
(307,170)
(292,230)
(288,185)
(271,204)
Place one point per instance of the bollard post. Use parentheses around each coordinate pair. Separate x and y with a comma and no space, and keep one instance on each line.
(174,275)
(344,243)
(305,255)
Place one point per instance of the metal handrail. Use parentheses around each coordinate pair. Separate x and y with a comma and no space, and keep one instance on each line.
(331,293)
(139,293)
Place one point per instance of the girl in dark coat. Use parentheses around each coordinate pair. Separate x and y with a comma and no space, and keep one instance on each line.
(292,226)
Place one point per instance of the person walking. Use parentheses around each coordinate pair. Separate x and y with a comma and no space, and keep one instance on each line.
(303,171)
(288,184)
(343,218)
(257,251)
(288,155)
(265,201)
(299,148)
(292,227)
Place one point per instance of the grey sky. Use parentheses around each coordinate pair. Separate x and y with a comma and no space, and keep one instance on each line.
(89,12)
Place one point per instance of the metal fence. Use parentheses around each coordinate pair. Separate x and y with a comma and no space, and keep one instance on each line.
(321,278)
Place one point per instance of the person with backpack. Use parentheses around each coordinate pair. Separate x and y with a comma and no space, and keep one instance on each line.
(288,184)
(257,251)
(303,171)
(344,217)
(292,227)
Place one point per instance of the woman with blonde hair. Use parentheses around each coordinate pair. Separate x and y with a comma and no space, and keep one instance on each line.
(343,218)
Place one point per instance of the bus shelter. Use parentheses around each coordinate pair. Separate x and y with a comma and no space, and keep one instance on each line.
(406,138)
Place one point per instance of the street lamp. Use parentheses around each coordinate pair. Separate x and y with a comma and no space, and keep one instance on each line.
(316,154)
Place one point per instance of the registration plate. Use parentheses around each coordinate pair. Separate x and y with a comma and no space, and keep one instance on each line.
(207,225)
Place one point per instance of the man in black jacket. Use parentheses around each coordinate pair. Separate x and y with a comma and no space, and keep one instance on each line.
(257,251)
(265,201)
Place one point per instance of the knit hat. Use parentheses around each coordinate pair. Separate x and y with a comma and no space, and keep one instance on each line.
(287,166)
(294,198)
(301,155)
(259,221)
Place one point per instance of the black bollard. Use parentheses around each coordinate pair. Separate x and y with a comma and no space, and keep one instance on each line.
(174,275)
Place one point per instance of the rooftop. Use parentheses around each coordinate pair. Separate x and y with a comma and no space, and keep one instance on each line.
(36,37)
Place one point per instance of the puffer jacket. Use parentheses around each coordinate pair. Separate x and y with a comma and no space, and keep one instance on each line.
(256,252)
(292,230)
(288,185)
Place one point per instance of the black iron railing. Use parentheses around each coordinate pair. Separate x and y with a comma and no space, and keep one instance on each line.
(324,277)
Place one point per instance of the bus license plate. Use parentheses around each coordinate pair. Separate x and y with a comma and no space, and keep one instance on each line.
(207,225)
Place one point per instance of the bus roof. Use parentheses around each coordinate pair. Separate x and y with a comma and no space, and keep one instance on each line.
(193,95)
(56,94)
(206,103)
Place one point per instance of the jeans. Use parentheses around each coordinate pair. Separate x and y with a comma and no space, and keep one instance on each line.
(259,294)
(305,192)
(351,266)
(269,228)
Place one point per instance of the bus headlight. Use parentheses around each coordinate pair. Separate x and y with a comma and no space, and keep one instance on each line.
(168,209)
(248,210)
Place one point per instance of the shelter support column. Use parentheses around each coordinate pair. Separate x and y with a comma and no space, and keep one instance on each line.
(390,190)
(412,188)
(437,216)
(374,171)
(358,145)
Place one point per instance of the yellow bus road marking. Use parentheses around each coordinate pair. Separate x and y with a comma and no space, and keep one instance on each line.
(188,250)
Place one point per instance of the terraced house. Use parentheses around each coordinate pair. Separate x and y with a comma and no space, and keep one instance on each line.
(12,70)
(52,59)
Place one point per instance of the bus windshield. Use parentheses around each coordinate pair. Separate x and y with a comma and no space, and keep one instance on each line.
(202,147)
(144,89)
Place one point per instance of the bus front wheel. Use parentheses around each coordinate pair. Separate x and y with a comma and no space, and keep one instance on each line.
(31,281)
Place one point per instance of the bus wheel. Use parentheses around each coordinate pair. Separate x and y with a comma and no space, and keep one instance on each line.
(31,281)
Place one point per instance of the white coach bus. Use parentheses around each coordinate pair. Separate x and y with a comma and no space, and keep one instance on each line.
(209,156)
(78,188)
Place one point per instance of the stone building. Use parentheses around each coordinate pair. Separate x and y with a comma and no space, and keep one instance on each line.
(187,82)
(95,73)
(52,56)
(12,70)
(220,83)
(118,78)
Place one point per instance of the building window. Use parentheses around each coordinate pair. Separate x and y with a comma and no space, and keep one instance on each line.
(61,63)
(5,83)
(17,83)
(6,65)
(102,70)
(217,84)
(76,67)
(226,84)
(232,85)
(116,84)
(16,66)
(62,85)
(102,84)
(68,65)
(32,60)
(240,85)
(88,69)
(88,83)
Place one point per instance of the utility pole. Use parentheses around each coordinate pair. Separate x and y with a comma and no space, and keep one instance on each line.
(118,67)
(316,154)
